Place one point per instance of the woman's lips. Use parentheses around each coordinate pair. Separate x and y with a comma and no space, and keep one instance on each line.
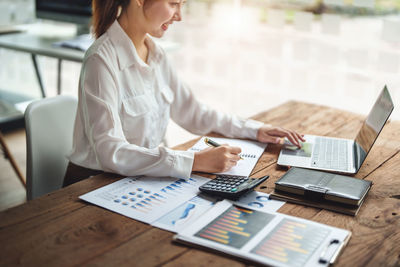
(166,25)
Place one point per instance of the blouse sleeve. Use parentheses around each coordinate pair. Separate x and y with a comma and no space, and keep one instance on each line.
(99,103)
(200,119)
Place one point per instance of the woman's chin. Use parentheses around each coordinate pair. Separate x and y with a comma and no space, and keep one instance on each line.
(157,34)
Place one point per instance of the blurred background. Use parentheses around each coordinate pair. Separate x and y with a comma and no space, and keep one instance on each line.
(241,57)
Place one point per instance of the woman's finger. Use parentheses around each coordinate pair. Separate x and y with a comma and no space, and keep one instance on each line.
(234,157)
(235,150)
(293,139)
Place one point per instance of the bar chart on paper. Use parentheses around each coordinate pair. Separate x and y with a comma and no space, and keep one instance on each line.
(235,227)
(272,239)
(145,198)
(291,242)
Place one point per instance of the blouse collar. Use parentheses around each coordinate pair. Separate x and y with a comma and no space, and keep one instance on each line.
(126,51)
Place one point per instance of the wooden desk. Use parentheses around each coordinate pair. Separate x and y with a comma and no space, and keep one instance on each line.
(60,230)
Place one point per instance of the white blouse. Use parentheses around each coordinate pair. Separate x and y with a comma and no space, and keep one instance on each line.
(125,105)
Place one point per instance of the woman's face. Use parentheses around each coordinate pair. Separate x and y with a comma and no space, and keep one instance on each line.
(159,14)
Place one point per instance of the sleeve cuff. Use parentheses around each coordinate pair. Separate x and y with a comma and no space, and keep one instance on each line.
(250,129)
(182,164)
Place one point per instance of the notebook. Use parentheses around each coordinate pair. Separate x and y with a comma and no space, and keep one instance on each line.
(251,152)
(297,199)
(337,192)
(337,154)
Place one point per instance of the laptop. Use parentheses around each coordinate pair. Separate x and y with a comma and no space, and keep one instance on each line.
(338,154)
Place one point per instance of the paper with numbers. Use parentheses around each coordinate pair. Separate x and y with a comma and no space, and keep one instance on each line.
(251,152)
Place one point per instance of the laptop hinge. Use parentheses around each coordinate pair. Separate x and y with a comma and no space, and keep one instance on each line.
(356,156)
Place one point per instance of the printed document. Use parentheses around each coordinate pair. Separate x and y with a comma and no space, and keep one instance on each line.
(268,238)
(145,199)
(251,152)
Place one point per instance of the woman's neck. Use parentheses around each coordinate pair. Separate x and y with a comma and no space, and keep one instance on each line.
(135,33)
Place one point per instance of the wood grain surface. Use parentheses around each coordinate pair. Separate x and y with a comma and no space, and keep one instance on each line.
(60,230)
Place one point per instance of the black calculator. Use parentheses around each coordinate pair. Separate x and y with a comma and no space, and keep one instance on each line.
(230,186)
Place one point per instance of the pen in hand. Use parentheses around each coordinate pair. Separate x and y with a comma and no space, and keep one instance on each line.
(210,142)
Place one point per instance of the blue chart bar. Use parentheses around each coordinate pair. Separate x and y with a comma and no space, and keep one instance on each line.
(141,199)
(145,200)
(235,227)
(291,242)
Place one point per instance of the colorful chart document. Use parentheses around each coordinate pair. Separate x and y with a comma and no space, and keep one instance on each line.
(148,199)
(259,201)
(251,152)
(164,202)
(265,237)
(185,214)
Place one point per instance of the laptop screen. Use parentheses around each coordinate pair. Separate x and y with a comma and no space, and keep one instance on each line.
(372,126)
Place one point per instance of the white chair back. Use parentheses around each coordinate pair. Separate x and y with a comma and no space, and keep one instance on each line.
(49,126)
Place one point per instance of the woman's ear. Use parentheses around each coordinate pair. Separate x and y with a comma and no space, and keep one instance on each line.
(139,2)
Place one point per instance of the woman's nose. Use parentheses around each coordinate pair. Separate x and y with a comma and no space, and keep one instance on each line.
(178,15)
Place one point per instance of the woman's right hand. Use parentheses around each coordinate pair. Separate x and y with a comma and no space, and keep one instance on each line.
(216,159)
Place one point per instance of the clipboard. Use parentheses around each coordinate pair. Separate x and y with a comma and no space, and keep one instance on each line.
(256,236)
(333,250)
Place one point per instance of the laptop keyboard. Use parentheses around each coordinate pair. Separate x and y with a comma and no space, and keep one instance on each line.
(330,154)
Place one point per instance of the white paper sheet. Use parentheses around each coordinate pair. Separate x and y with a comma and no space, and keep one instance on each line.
(193,209)
(145,198)
(260,201)
(251,152)
(185,214)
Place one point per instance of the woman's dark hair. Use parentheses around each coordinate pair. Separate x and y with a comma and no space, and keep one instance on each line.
(105,12)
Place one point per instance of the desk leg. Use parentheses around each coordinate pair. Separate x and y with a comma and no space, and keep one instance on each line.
(39,77)
(59,77)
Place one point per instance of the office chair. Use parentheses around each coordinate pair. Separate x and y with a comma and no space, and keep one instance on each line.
(49,126)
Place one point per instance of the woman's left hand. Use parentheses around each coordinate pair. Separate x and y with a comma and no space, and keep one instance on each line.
(273,134)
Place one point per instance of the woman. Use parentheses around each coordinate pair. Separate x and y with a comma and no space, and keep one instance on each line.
(128,92)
